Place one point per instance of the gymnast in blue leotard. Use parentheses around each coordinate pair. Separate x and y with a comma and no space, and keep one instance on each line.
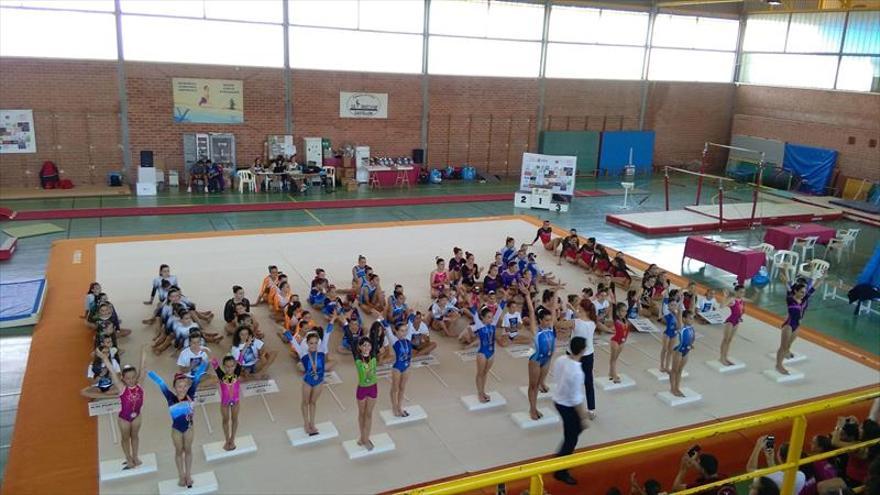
(315,361)
(686,337)
(669,308)
(485,324)
(180,406)
(543,328)
(401,343)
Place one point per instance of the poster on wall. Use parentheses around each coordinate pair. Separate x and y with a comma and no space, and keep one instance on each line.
(207,101)
(552,172)
(17,133)
(363,105)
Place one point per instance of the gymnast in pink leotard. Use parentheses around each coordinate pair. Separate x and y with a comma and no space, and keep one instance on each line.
(230,384)
(439,279)
(131,400)
(731,324)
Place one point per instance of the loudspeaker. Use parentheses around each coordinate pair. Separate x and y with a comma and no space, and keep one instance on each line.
(418,156)
(146,158)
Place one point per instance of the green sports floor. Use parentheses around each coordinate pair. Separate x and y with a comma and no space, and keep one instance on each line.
(832,317)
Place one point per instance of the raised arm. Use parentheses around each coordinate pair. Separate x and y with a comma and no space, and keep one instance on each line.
(140,370)
(346,330)
(197,377)
(499,311)
(533,323)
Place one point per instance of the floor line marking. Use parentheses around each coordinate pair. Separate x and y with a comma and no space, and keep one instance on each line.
(309,213)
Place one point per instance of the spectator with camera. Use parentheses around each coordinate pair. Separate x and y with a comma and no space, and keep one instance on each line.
(766,446)
(706,467)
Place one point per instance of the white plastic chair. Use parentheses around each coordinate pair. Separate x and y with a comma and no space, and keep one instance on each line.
(173,179)
(330,174)
(849,236)
(836,245)
(815,269)
(246,178)
(805,244)
(768,250)
(785,260)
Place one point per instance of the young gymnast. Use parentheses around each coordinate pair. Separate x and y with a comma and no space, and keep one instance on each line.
(181,406)
(193,355)
(397,311)
(737,310)
(797,299)
(318,293)
(585,254)
(401,343)
(670,308)
(418,330)
(621,332)
(686,337)
(106,314)
(491,282)
(620,272)
(538,275)
(255,359)
(706,303)
(315,361)
(545,235)
(91,297)
(371,296)
(484,329)
(510,276)
(512,326)
(229,309)
(604,318)
(164,274)
(438,280)
(570,246)
(105,362)
(508,252)
(585,327)
(268,283)
(444,314)
(365,361)
(359,274)
(228,376)
(455,264)
(632,304)
(544,341)
(131,400)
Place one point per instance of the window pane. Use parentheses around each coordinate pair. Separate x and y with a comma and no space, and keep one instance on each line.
(99,5)
(594,61)
(459,17)
(252,10)
(691,65)
(392,15)
(695,32)
(808,71)
(859,74)
(73,34)
(333,49)
(336,13)
(863,33)
(623,28)
(475,57)
(573,24)
(815,33)
(184,8)
(765,33)
(231,43)
(522,21)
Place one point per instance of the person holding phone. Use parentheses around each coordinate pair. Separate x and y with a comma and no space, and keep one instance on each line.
(766,444)
(706,466)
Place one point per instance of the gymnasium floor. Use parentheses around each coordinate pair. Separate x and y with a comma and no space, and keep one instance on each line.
(831,317)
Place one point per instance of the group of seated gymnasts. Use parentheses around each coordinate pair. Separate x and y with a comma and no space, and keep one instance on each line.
(502,304)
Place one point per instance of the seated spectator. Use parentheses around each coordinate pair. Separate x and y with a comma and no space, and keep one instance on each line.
(651,487)
(822,473)
(198,175)
(872,484)
(848,432)
(49,175)
(706,466)
(763,486)
(216,182)
(764,445)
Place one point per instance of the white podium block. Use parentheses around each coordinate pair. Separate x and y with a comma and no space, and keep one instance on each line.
(664,377)
(722,368)
(416,413)
(519,350)
(541,395)
(202,483)
(243,445)
(112,469)
(796,359)
(792,376)
(674,401)
(467,355)
(298,436)
(146,188)
(472,402)
(522,199)
(525,422)
(147,175)
(607,385)
(381,443)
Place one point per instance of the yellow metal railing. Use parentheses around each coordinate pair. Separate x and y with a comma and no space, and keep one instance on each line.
(534,470)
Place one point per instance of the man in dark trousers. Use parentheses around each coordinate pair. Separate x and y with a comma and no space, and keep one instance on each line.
(570,401)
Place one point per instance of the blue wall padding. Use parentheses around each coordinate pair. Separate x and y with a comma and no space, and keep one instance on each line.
(614,153)
(813,165)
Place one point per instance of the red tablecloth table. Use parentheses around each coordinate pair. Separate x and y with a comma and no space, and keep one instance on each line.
(782,237)
(743,264)
(388,175)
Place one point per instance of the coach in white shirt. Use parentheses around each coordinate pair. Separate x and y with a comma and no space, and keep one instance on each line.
(569,398)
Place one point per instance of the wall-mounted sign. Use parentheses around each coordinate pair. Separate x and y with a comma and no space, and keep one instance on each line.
(363,105)
(17,131)
(207,101)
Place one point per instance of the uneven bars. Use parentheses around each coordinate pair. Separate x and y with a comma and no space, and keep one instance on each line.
(698,174)
(736,148)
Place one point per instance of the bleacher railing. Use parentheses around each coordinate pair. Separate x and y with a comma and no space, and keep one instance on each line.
(534,471)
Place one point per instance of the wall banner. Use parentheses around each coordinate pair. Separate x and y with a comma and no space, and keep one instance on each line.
(552,172)
(17,133)
(363,105)
(207,101)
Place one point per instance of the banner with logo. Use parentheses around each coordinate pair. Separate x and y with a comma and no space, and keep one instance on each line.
(363,105)
(17,131)
(548,172)
(207,101)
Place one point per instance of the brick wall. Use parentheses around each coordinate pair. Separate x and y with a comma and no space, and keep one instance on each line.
(817,118)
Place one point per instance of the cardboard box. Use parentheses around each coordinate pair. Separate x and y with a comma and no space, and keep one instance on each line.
(350,185)
(348,161)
